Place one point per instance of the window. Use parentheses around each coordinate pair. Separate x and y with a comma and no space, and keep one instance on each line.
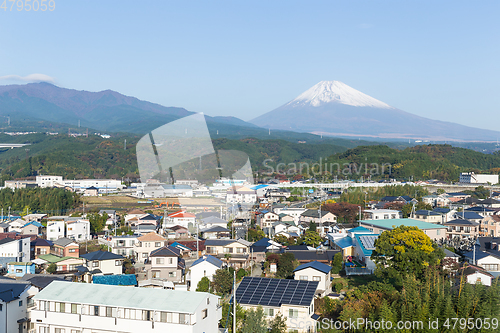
(204,314)
(72,250)
(172,274)
(159,261)
(74,308)
(144,255)
(157,244)
(59,330)
(20,303)
(303,278)
(96,310)
(44,330)
(146,315)
(155,274)
(183,319)
(95,263)
(109,311)
(76,331)
(166,317)
(269,312)
(293,313)
(118,262)
(316,278)
(60,307)
(1,307)
(490,267)
(170,261)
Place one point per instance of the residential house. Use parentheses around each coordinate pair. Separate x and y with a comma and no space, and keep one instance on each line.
(212,221)
(234,252)
(146,244)
(324,220)
(122,245)
(487,260)
(462,228)
(216,233)
(436,200)
(403,199)
(55,230)
(165,263)
(78,230)
(285,218)
(91,191)
(205,266)
(364,244)
(190,248)
(293,299)
(40,281)
(34,217)
(65,247)
(40,246)
(295,213)
(490,226)
(428,216)
(482,210)
(16,225)
(14,299)
(103,261)
(241,195)
(434,231)
(346,244)
(180,217)
(305,255)
(84,307)
(14,250)
(144,219)
(176,232)
(381,214)
(259,249)
(32,228)
(64,265)
(475,275)
(315,271)
(266,219)
(132,214)
(19,269)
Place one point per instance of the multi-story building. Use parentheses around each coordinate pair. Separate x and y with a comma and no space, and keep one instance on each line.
(381,214)
(234,252)
(55,230)
(146,244)
(122,245)
(14,250)
(166,264)
(14,299)
(462,228)
(472,178)
(78,230)
(83,307)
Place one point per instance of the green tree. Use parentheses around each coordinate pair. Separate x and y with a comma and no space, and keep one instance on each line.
(312,226)
(240,273)
(278,324)
(285,265)
(311,238)
(203,285)
(405,250)
(227,317)
(97,222)
(337,263)
(256,234)
(222,281)
(254,321)
(52,268)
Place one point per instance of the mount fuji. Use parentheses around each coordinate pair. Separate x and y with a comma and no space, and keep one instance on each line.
(333,108)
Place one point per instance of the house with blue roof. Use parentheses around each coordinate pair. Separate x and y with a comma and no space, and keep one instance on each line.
(205,266)
(364,244)
(315,271)
(490,262)
(32,228)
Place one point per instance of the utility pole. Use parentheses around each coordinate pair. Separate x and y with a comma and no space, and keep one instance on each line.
(234,302)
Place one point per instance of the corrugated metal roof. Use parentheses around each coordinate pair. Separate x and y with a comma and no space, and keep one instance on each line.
(316,265)
(123,296)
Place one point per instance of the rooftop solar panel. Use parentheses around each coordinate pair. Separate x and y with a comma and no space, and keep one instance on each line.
(368,242)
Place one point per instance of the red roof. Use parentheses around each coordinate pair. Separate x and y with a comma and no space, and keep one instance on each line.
(181,213)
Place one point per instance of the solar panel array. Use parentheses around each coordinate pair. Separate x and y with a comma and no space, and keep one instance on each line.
(274,292)
(368,242)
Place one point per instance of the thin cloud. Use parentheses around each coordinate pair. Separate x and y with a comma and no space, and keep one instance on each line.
(29,78)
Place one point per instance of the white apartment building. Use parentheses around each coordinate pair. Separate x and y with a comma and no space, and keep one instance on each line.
(83,307)
(103,185)
(381,214)
(472,178)
(14,299)
(55,230)
(78,230)
(14,250)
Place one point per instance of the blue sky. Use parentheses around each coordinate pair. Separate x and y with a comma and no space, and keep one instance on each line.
(244,58)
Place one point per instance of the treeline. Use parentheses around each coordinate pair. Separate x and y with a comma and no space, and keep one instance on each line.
(426,305)
(53,201)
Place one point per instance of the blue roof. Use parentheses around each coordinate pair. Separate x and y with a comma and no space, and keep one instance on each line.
(35,223)
(426,212)
(478,209)
(316,265)
(262,242)
(178,245)
(366,242)
(258,187)
(214,261)
(469,215)
(441,210)
(359,229)
(479,255)
(116,280)
(344,242)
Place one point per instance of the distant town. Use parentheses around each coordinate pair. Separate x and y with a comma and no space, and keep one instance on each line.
(294,255)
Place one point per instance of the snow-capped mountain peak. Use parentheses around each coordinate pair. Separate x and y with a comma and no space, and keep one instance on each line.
(337,92)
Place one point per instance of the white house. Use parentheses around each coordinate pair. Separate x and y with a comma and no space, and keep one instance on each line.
(14,250)
(204,266)
(241,195)
(315,271)
(85,307)
(381,214)
(78,230)
(122,245)
(146,244)
(477,276)
(105,262)
(181,218)
(48,181)
(55,230)
(14,299)
(293,212)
